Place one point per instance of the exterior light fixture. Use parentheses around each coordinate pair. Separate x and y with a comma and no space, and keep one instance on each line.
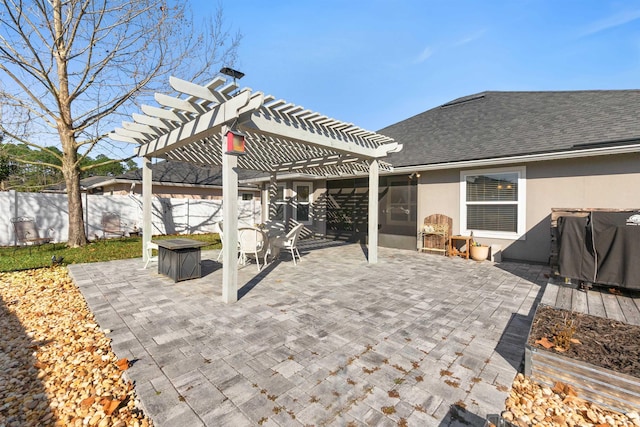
(232,73)
(235,143)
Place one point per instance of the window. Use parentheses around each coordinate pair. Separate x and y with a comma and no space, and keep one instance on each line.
(247,196)
(492,203)
(302,193)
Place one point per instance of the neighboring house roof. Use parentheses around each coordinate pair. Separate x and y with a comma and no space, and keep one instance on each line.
(493,125)
(167,173)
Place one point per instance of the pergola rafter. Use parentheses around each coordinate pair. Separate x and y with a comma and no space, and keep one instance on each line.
(281,138)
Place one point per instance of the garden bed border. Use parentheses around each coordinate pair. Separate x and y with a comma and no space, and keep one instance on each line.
(604,387)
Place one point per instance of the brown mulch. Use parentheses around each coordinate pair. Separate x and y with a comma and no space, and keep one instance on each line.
(602,342)
(57,367)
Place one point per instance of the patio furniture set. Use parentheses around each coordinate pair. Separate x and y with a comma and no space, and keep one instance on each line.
(180,258)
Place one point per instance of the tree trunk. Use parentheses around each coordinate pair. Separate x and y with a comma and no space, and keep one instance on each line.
(70,165)
(71,172)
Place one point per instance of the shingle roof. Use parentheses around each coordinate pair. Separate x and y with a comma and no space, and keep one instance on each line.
(187,173)
(501,124)
(169,173)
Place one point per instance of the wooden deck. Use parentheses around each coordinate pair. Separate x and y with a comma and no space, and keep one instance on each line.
(598,301)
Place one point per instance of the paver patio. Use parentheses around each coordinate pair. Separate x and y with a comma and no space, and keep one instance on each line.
(435,341)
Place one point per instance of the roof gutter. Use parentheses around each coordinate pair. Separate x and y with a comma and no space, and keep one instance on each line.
(561,155)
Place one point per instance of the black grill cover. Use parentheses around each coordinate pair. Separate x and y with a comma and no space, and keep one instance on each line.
(617,249)
(575,254)
(600,248)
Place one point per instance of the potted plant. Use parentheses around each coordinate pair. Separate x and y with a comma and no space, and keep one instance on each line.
(478,251)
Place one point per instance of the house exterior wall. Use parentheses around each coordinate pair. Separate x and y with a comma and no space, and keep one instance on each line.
(317,210)
(173,191)
(611,181)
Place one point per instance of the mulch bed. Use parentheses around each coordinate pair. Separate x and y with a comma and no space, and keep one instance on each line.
(602,342)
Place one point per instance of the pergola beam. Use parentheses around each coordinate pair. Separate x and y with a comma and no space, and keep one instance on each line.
(198,128)
(262,124)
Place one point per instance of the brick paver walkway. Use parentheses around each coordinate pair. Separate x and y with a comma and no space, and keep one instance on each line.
(431,340)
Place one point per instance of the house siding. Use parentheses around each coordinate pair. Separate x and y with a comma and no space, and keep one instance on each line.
(611,181)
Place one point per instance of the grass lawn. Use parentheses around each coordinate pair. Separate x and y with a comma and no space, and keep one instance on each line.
(12,259)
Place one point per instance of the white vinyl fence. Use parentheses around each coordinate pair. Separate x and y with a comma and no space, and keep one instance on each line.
(169,215)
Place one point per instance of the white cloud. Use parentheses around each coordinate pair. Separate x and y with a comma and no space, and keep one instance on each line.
(424,55)
(428,51)
(611,22)
(470,38)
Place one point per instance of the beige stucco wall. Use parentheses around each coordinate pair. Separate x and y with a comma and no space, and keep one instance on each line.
(176,192)
(611,181)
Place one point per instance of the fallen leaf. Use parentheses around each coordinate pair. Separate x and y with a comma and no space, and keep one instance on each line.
(575,341)
(592,416)
(572,400)
(123,364)
(558,387)
(544,341)
(615,291)
(560,349)
(570,391)
(110,405)
(87,402)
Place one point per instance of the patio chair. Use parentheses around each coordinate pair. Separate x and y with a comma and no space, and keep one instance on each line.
(112,225)
(26,232)
(150,258)
(252,242)
(220,233)
(290,241)
(434,234)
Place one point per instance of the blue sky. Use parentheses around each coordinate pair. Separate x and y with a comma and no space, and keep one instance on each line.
(377,62)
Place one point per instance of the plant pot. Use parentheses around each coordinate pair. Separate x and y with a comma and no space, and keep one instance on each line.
(479,253)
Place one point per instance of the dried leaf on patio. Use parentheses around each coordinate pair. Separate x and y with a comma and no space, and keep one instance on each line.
(122,364)
(544,341)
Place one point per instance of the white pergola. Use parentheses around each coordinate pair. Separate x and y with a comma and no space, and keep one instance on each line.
(280,138)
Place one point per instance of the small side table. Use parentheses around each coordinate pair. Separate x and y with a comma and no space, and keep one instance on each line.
(179,258)
(453,248)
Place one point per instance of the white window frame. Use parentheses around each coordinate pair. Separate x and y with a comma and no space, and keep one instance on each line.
(521,203)
(294,197)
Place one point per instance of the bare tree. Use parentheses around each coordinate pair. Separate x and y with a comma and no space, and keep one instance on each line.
(69,68)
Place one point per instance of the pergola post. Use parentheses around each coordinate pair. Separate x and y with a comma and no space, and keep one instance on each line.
(264,203)
(147,191)
(374,175)
(230,224)
(273,194)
